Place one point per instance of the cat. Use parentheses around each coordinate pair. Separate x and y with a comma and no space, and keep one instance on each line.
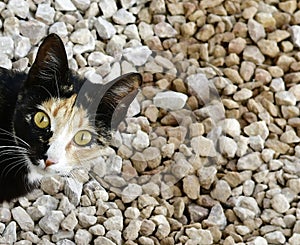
(53,120)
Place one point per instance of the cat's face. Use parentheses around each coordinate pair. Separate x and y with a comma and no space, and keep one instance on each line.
(67,120)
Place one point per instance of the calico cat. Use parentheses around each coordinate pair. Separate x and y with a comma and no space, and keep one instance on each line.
(52,120)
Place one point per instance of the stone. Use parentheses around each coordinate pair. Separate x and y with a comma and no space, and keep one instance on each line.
(280,203)
(170,100)
(131,192)
(207,176)
(81,36)
(163,227)
(237,45)
(199,236)
(72,190)
(277,84)
(108,8)
(64,5)
(123,17)
(257,128)
(294,239)
(205,32)
(275,237)
(203,147)
(51,185)
(10,233)
(114,223)
(230,126)
(141,141)
(289,137)
(253,54)
(5,215)
(59,28)
(164,30)
(258,241)
(285,98)
(69,222)
(131,231)
(45,13)
(86,220)
(82,237)
(98,58)
(268,47)
(221,191)
(97,230)
(50,223)
(103,241)
(104,28)
(22,47)
(34,30)
(191,186)
(7,46)
(251,161)
(243,94)
(145,30)
(295,34)
(82,5)
(131,31)
(228,147)
(256,30)
(19,7)
(217,217)
(138,56)
(22,218)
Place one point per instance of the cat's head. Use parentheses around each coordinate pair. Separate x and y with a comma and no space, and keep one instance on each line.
(65,118)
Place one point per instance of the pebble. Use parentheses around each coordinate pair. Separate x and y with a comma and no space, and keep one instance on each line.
(50,223)
(22,218)
(217,217)
(10,233)
(7,46)
(251,161)
(131,192)
(138,56)
(164,30)
(222,191)
(257,128)
(64,5)
(285,98)
(123,17)
(170,100)
(45,13)
(275,237)
(228,146)
(199,236)
(203,146)
(108,8)
(73,190)
(253,54)
(280,203)
(104,28)
(295,30)
(34,30)
(256,30)
(19,7)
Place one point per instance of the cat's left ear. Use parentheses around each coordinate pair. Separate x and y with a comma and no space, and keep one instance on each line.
(51,63)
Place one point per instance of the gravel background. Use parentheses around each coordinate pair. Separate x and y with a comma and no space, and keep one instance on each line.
(209,152)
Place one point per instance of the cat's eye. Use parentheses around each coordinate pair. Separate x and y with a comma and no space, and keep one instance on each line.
(41,120)
(83,138)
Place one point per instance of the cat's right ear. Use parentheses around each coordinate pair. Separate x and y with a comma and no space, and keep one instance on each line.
(51,63)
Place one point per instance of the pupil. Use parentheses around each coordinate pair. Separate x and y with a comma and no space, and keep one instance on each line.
(42,119)
(82,136)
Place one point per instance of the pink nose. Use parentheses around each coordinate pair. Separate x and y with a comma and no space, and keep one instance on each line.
(48,163)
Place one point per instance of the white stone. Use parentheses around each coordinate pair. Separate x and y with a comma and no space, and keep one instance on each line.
(22,218)
(280,203)
(98,58)
(81,36)
(145,30)
(203,146)
(131,31)
(217,217)
(257,128)
(50,223)
(34,30)
(228,146)
(108,7)
(22,47)
(164,30)
(123,17)
(294,239)
(45,13)
(230,126)
(90,46)
(170,100)
(19,7)
(59,28)
(275,237)
(141,141)
(251,161)
(64,5)
(137,55)
(10,233)
(82,4)
(199,236)
(277,84)
(258,241)
(285,98)
(7,46)
(131,192)
(72,190)
(295,33)
(104,28)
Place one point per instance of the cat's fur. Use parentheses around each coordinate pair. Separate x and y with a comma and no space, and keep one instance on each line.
(72,104)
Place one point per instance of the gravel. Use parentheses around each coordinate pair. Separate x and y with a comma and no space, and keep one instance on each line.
(208,153)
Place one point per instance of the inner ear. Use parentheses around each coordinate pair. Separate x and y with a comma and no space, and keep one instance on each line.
(51,63)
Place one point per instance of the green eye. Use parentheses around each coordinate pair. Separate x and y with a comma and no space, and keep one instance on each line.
(83,137)
(41,120)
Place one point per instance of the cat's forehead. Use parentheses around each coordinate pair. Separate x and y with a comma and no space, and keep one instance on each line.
(64,111)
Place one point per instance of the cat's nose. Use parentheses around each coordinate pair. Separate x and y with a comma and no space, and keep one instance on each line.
(49,162)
